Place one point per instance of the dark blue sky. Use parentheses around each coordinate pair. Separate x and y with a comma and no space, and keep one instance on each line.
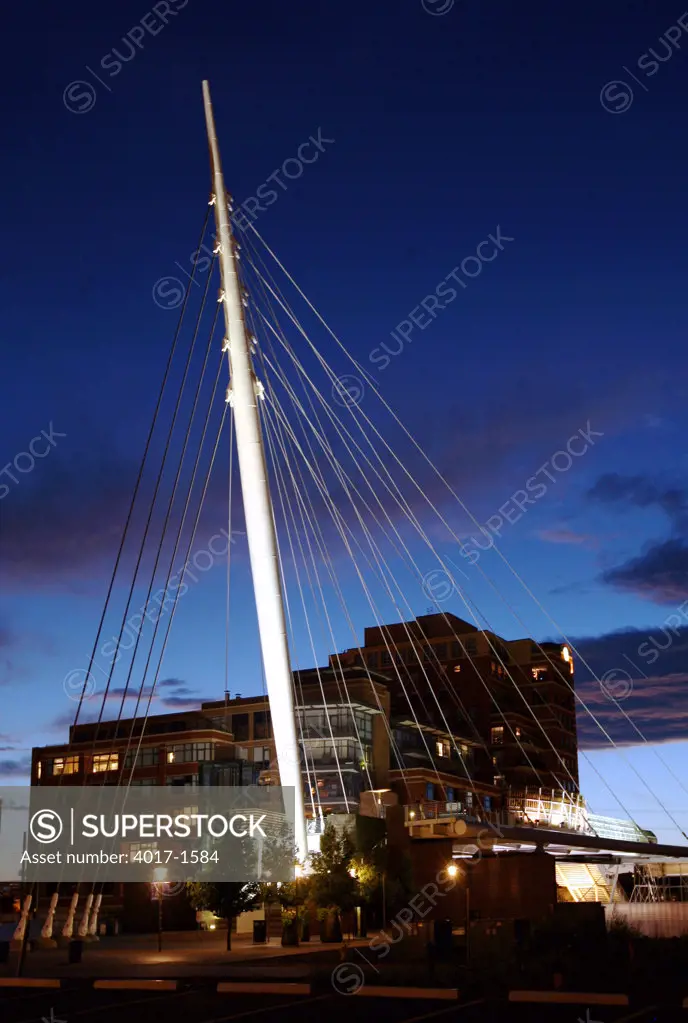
(445,126)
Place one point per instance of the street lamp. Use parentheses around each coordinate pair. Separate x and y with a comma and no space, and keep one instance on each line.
(452,870)
(159,879)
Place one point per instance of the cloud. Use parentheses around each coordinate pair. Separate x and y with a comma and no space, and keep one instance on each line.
(63,526)
(15,768)
(647,667)
(565,536)
(169,694)
(643,492)
(660,573)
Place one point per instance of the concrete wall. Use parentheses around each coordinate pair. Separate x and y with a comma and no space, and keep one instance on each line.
(653,919)
(516,886)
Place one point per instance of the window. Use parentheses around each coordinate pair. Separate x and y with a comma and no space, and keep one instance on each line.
(450,794)
(262,725)
(441,651)
(497,735)
(539,674)
(364,724)
(240,727)
(471,647)
(442,749)
(190,752)
(65,765)
(457,668)
(105,762)
(385,659)
(456,650)
(429,790)
(147,756)
(517,732)
(372,661)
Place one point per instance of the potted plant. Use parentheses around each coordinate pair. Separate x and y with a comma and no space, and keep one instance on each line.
(304,918)
(290,927)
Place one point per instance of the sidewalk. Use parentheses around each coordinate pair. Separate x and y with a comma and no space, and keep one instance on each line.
(184,954)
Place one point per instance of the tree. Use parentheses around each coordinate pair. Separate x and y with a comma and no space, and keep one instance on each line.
(332,885)
(367,874)
(226,899)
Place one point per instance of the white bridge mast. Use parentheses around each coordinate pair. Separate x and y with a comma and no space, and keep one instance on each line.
(260,530)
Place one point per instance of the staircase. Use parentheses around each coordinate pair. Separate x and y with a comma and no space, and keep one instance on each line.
(585,882)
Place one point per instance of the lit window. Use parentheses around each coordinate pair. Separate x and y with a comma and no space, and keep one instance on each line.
(497,735)
(170,756)
(39,768)
(442,749)
(65,765)
(517,732)
(457,668)
(105,762)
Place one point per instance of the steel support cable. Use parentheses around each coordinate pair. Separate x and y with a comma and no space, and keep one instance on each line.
(312,588)
(140,472)
(132,505)
(150,513)
(160,548)
(492,647)
(283,500)
(180,529)
(394,660)
(229,544)
(301,490)
(345,480)
(451,628)
(275,329)
(315,571)
(373,685)
(163,535)
(297,685)
(475,521)
(446,619)
(175,601)
(332,459)
(170,503)
(449,574)
(369,597)
(397,497)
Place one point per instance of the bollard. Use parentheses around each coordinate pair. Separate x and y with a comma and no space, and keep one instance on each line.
(76,948)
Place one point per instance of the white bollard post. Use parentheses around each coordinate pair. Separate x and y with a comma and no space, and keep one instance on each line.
(93,925)
(83,926)
(68,929)
(46,939)
(20,930)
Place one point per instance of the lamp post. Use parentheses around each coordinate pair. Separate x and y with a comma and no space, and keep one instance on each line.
(159,879)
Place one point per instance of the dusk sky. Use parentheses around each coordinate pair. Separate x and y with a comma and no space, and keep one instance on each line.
(439,125)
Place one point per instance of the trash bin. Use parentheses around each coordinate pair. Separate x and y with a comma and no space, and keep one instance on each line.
(259,932)
(4,951)
(443,936)
(75,950)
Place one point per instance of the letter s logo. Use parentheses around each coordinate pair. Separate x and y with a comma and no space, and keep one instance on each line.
(46,826)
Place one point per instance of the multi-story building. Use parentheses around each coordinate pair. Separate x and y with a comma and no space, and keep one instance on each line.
(514,699)
(432,709)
